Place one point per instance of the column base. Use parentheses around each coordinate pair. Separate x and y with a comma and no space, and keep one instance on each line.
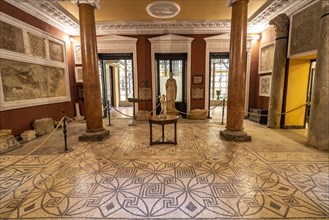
(94,136)
(238,136)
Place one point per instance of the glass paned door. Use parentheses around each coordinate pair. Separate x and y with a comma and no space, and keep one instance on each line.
(218,79)
(175,63)
(118,78)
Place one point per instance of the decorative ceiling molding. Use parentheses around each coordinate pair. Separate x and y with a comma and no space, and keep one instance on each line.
(260,20)
(52,13)
(163,27)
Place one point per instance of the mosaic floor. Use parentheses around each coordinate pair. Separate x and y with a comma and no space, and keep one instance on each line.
(273,177)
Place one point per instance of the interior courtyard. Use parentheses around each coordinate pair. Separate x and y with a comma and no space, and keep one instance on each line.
(84,133)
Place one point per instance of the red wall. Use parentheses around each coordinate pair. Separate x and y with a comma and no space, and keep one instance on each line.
(20,120)
(256,101)
(198,54)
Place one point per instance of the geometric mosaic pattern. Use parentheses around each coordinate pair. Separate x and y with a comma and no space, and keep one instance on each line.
(200,177)
(37,45)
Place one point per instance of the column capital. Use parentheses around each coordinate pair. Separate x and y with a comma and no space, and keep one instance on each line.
(94,3)
(231,2)
(281,24)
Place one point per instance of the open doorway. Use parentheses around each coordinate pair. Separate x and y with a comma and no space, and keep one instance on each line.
(309,92)
(175,63)
(117,81)
(218,82)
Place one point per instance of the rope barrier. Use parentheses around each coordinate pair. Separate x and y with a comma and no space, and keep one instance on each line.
(306,104)
(194,113)
(122,112)
(44,141)
(155,108)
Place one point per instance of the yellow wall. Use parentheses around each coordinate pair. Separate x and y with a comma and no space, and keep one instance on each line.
(297,91)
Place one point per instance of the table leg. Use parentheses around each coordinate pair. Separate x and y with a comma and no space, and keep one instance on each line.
(151,134)
(162,133)
(175,130)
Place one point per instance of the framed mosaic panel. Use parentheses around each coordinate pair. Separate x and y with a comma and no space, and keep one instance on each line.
(304,30)
(77,54)
(56,51)
(37,45)
(265,85)
(33,71)
(78,74)
(266,58)
(11,38)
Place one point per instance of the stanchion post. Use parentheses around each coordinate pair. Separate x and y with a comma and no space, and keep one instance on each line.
(64,130)
(223,111)
(109,112)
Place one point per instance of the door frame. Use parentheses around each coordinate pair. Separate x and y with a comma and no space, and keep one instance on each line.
(110,44)
(182,105)
(221,44)
(171,44)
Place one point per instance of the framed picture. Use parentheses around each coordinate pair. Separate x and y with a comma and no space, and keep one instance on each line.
(197,79)
(77,54)
(78,74)
(265,85)
(266,58)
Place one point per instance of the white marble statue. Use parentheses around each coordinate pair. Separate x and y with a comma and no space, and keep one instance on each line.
(171,92)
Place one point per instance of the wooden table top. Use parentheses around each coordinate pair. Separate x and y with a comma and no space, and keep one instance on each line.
(168,119)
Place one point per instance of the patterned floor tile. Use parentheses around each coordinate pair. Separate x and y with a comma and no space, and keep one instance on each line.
(201,177)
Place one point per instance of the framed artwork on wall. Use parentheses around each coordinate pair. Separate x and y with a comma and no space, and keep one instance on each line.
(78,74)
(266,58)
(265,85)
(33,66)
(197,79)
(77,54)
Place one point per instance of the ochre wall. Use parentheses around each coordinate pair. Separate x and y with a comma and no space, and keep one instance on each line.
(256,101)
(296,91)
(20,120)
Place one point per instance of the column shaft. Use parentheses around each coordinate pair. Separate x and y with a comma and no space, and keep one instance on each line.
(318,131)
(91,85)
(281,23)
(237,68)
(237,72)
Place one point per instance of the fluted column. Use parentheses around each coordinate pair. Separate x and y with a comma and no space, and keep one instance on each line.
(318,131)
(237,71)
(281,24)
(91,84)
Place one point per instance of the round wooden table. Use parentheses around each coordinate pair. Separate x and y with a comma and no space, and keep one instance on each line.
(169,119)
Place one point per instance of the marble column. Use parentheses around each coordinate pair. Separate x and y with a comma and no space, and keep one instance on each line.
(281,25)
(318,131)
(237,72)
(91,84)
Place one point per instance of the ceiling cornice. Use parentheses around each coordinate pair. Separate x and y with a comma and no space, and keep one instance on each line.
(52,13)
(163,27)
(259,21)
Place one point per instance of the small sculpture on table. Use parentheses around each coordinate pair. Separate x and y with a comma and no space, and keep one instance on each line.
(163,105)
